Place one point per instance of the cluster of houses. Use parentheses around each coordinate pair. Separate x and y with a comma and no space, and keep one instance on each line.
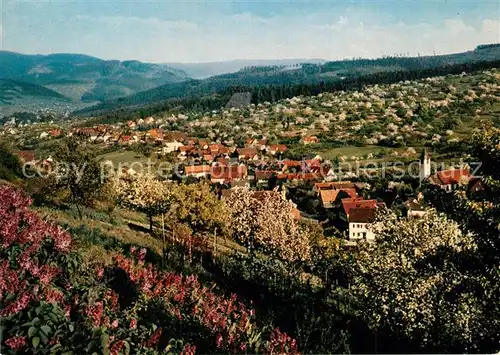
(259,164)
(358,213)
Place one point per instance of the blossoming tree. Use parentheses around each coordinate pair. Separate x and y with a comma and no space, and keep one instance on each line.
(145,194)
(268,225)
(410,281)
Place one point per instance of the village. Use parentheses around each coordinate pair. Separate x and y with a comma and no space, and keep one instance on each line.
(323,153)
(261,166)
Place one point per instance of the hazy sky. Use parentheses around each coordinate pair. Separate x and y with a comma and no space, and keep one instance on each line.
(200,31)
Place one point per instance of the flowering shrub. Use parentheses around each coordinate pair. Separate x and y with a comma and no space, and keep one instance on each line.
(230,324)
(50,303)
(34,265)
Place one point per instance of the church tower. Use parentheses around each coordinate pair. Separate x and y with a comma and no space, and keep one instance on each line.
(425,165)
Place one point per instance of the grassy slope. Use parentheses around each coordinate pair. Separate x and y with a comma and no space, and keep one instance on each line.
(98,233)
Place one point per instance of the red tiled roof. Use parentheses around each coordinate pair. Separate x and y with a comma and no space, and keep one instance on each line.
(334,185)
(231,171)
(186,148)
(197,169)
(454,176)
(311,139)
(247,152)
(330,195)
(222,161)
(362,215)
(313,163)
(26,155)
(292,163)
(216,147)
(155,133)
(350,203)
(278,147)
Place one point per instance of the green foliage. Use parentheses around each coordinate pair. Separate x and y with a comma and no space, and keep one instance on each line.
(10,165)
(79,173)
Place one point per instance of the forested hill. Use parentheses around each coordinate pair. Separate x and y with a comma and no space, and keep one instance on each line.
(276,82)
(11,91)
(330,74)
(85,78)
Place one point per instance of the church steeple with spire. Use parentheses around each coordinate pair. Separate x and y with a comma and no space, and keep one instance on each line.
(425,165)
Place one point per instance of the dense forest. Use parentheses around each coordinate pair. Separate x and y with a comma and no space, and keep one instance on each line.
(305,79)
(272,93)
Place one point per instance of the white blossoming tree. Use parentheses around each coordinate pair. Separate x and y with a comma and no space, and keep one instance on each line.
(145,194)
(268,225)
(410,284)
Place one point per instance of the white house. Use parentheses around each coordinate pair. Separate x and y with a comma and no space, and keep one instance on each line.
(171,146)
(360,220)
(415,209)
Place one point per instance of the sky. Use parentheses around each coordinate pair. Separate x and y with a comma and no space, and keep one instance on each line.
(164,31)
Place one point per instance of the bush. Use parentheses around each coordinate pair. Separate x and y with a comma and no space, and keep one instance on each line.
(51,303)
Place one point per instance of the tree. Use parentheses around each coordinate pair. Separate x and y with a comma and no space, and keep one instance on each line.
(145,194)
(10,166)
(268,225)
(78,173)
(196,210)
(411,282)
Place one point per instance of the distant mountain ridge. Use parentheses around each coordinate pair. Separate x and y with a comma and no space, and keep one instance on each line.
(283,76)
(209,69)
(85,78)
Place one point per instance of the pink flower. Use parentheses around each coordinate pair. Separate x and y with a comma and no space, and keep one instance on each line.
(243,347)
(154,338)
(67,310)
(17,306)
(133,324)
(116,347)
(16,343)
(100,273)
(142,254)
(54,341)
(47,273)
(189,350)
(95,313)
(218,341)
(53,295)
(114,324)
(62,240)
